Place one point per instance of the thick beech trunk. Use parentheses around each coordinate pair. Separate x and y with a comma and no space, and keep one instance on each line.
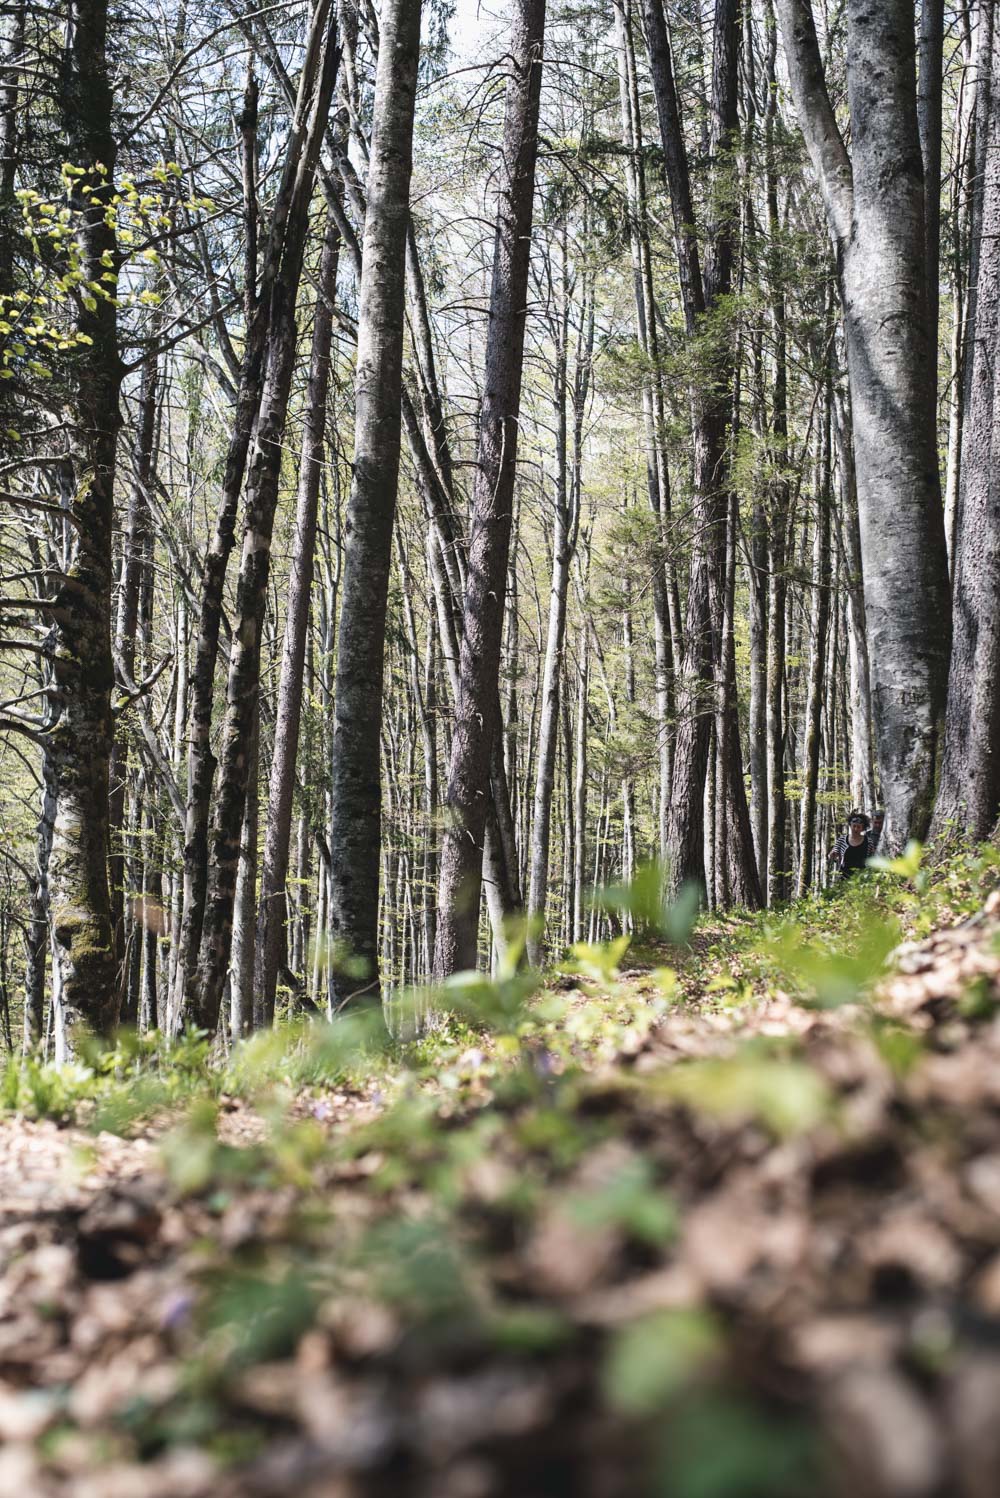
(969,796)
(875,208)
(477,721)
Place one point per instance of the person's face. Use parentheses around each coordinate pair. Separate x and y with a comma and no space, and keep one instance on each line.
(879,819)
(857,825)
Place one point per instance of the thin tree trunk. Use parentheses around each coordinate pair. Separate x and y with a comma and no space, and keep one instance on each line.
(241,986)
(476,711)
(356,792)
(930,59)
(563,540)
(580,792)
(759,590)
(38,933)
(665,630)
(11,65)
(312,109)
(134,559)
(272,914)
(817,655)
(711,405)
(862,750)
(777,808)
(964,193)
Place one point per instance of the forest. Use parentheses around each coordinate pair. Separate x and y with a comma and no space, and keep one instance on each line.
(499,748)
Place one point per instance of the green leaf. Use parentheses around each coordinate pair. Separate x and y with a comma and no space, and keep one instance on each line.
(907,866)
(651,1360)
(787,1096)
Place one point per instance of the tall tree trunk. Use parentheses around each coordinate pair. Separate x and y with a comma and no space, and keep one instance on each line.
(969,796)
(875,209)
(929,79)
(312,109)
(580,792)
(476,711)
(967,183)
(778,883)
(80,742)
(666,628)
(200,758)
(241,986)
(563,543)
(11,64)
(759,590)
(152,920)
(356,792)
(37,937)
(273,910)
(817,652)
(135,556)
(711,404)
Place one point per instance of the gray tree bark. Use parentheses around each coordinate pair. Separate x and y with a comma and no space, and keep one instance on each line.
(817,651)
(666,606)
(969,795)
(711,401)
(778,879)
(929,90)
(308,127)
(565,530)
(875,210)
(272,915)
(356,790)
(477,721)
(83,673)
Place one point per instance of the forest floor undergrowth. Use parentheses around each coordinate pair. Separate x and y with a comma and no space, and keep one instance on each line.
(712,1220)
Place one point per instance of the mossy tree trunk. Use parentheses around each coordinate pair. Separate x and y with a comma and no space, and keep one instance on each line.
(80,742)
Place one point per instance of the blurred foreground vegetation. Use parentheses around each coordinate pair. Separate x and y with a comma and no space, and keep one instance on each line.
(580,1233)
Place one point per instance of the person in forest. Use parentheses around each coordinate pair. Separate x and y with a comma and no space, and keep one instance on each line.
(854,847)
(878,821)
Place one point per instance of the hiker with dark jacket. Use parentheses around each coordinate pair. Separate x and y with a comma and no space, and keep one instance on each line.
(854,847)
(878,822)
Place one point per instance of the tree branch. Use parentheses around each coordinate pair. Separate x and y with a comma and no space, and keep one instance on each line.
(823,139)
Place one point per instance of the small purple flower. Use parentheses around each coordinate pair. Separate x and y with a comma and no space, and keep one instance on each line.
(176,1310)
(322,1111)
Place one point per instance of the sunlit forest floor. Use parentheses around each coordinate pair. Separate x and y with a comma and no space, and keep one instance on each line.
(710,1220)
